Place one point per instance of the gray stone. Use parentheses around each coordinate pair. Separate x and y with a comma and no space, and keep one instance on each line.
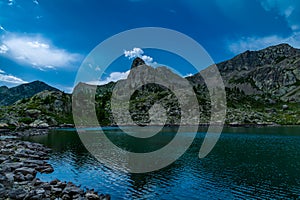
(3,125)
(39,124)
(92,196)
(43,125)
(72,189)
(11,166)
(29,177)
(10,177)
(17,194)
(33,112)
(66,197)
(54,182)
(46,186)
(3,192)
(40,191)
(26,170)
(36,197)
(56,190)
(19,177)
(285,107)
(48,170)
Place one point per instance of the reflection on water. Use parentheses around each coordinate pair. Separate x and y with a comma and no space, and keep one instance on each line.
(245,163)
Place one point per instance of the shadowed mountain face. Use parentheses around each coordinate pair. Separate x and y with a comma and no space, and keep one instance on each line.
(274,71)
(11,95)
(137,62)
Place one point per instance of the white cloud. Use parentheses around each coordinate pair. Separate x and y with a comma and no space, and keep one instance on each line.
(256,43)
(287,8)
(138,52)
(135,52)
(3,49)
(113,77)
(288,11)
(2,28)
(35,2)
(36,51)
(7,78)
(11,2)
(147,59)
(295,27)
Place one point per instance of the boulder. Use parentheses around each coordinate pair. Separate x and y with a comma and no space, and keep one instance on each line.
(92,196)
(9,177)
(17,194)
(285,107)
(56,190)
(43,125)
(234,123)
(33,113)
(71,190)
(11,166)
(13,122)
(3,125)
(39,124)
(26,170)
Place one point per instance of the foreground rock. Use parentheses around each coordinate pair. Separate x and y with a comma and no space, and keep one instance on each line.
(20,161)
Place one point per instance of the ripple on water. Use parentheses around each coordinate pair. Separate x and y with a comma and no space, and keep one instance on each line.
(241,166)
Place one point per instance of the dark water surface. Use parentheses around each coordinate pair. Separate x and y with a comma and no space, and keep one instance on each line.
(260,163)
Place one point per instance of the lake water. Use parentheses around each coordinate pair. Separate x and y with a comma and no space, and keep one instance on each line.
(260,163)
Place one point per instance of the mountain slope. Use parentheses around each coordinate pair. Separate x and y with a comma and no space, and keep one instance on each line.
(47,108)
(9,96)
(273,71)
(262,88)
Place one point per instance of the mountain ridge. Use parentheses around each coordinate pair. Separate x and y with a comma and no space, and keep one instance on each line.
(274,70)
(262,88)
(11,95)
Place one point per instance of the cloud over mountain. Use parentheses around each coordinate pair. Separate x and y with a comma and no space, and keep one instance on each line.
(138,52)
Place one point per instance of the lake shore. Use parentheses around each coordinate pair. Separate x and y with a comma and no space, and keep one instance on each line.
(20,161)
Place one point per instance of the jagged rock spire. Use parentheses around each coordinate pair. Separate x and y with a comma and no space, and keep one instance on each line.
(137,62)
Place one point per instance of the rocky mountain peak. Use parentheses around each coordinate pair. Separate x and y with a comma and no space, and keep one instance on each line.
(280,50)
(249,60)
(3,88)
(137,62)
(282,46)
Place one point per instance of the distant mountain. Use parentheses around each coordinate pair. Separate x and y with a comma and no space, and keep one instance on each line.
(9,96)
(274,71)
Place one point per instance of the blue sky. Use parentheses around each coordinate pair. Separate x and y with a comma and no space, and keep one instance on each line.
(48,39)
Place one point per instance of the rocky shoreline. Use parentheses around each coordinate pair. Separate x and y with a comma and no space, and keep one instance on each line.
(20,161)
